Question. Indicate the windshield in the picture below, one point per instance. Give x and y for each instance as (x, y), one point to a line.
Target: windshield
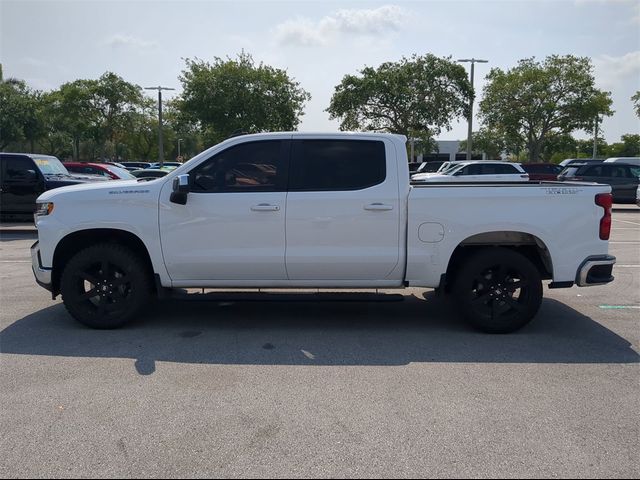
(451, 169)
(121, 172)
(570, 171)
(50, 166)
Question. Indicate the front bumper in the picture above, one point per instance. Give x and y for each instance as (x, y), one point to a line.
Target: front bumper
(596, 270)
(42, 274)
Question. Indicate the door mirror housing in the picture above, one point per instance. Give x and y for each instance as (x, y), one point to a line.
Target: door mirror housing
(181, 188)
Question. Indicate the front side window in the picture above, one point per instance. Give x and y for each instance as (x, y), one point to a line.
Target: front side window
(248, 167)
(595, 171)
(474, 169)
(16, 168)
(325, 165)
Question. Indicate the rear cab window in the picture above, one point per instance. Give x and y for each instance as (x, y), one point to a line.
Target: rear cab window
(336, 165)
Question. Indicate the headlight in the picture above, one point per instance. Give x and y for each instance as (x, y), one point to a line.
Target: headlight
(43, 209)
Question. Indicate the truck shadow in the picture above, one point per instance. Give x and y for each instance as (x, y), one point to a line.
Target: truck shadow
(317, 333)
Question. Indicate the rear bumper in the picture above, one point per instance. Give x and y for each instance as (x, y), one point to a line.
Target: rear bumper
(42, 274)
(595, 270)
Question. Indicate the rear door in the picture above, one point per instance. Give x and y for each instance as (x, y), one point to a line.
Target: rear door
(343, 210)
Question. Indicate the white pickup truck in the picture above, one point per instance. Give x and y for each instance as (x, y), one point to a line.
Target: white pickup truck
(297, 210)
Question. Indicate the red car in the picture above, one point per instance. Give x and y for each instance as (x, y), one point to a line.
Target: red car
(542, 171)
(102, 169)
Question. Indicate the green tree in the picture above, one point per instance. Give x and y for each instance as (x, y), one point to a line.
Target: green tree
(417, 97)
(71, 114)
(486, 141)
(629, 146)
(116, 101)
(237, 95)
(537, 100)
(636, 103)
(17, 111)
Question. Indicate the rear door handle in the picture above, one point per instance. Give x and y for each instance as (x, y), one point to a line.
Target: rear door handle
(378, 207)
(265, 207)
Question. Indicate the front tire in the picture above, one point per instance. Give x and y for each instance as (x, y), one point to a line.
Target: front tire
(104, 286)
(498, 290)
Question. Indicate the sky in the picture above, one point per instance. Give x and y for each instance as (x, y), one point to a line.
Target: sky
(48, 43)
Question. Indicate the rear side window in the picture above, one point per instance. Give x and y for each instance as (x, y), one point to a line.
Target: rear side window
(620, 172)
(320, 165)
(247, 167)
(496, 169)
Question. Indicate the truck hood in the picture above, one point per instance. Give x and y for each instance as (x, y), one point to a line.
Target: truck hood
(115, 186)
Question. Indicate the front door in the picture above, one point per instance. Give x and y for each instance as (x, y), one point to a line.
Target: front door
(232, 227)
(20, 185)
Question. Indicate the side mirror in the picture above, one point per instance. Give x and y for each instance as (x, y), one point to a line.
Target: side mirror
(31, 175)
(181, 189)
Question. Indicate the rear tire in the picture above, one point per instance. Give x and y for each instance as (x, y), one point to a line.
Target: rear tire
(104, 286)
(498, 290)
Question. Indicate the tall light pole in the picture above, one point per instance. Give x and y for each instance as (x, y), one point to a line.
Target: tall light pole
(179, 140)
(595, 138)
(160, 147)
(473, 62)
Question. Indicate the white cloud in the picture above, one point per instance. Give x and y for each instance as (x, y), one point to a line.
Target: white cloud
(305, 32)
(121, 40)
(611, 71)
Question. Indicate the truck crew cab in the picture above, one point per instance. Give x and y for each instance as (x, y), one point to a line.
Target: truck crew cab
(297, 210)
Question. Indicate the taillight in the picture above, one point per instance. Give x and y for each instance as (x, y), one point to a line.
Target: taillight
(605, 200)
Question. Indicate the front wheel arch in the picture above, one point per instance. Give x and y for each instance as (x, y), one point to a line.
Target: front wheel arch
(72, 243)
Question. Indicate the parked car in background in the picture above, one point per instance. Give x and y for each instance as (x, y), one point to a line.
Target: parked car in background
(105, 170)
(413, 166)
(149, 173)
(623, 178)
(568, 161)
(135, 165)
(627, 160)
(542, 171)
(115, 164)
(431, 167)
(477, 171)
(24, 176)
(165, 164)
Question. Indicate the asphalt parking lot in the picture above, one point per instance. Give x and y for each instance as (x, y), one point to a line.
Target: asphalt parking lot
(323, 389)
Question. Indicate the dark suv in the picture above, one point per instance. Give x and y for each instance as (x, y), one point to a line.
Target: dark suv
(24, 176)
(623, 178)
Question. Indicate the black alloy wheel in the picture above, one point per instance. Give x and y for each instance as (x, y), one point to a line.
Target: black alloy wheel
(105, 286)
(498, 290)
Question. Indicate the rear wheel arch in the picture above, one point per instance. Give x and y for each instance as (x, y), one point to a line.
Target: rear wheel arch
(528, 245)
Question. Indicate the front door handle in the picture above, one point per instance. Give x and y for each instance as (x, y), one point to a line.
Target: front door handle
(265, 207)
(378, 207)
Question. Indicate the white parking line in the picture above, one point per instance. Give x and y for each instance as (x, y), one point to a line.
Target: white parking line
(626, 221)
(626, 266)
